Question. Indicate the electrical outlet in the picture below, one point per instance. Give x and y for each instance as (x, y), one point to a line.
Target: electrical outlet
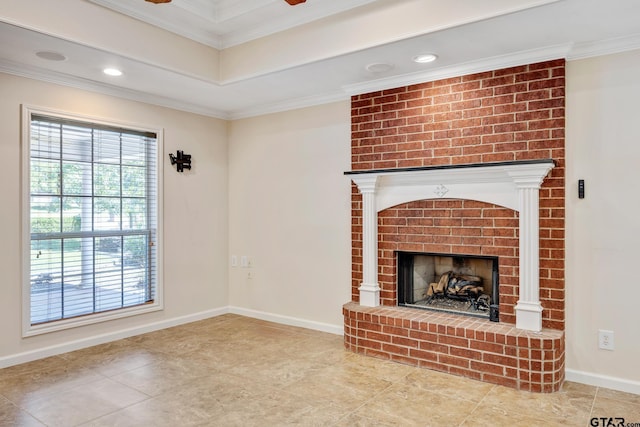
(605, 340)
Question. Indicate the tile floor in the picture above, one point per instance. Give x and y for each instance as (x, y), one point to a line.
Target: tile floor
(237, 371)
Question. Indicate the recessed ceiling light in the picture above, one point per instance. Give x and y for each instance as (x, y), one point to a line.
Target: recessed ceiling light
(112, 72)
(379, 67)
(50, 56)
(425, 58)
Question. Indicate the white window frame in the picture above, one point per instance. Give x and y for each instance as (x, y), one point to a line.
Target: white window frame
(158, 304)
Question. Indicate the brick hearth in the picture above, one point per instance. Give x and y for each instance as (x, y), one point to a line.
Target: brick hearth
(497, 353)
(500, 116)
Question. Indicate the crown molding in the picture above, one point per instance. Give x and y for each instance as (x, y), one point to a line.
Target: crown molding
(36, 73)
(226, 11)
(212, 40)
(291, 104)
(79, 83)
(604, 47)
(312, 12)
(479, 66)
(568, 51)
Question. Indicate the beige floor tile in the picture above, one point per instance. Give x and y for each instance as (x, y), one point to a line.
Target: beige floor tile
(382, 369)
(409, 405)
(491, 416)
(353, 420)
(35, 384)
(616, 408)
(344, 387)
(161, 413)
(113, 358)
(11, 415)
(198, 402)
(163, 375)
(618, 395)
(178, 343)
(280, 409)
(568, 406)
(83, 403)
(278, 373)
(30, 367)
(576, 389)
(449, 386)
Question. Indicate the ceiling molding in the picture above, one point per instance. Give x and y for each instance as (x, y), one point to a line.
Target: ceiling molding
(48, 76)
(225, 11)
(568, 51)
(604, 47)
(482, 65)
(212, 40)
(304, 15)
(292, 104)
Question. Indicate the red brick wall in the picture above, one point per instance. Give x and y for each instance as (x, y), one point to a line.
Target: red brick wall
(504, 115)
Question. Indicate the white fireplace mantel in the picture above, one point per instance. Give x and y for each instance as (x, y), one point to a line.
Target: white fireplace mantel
(514, 185)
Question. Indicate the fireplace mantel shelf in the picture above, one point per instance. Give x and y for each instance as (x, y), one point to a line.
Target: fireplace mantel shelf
(458, 166)
(514, 185)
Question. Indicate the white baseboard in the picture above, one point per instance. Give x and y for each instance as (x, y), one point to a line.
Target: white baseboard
(605, 381)
(41, 353)
(286, 320)
(29, 356)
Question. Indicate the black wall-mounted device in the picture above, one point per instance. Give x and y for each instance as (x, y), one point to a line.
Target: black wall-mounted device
(581, 189)
(181, 160)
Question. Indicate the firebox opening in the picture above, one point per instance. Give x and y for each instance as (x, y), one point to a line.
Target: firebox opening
(463, 284)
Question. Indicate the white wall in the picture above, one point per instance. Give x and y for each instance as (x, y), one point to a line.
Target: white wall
(289, 212)
(603, 229)
(195, 215)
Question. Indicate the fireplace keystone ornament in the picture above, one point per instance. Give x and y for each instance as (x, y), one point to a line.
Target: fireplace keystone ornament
(514, 185)
(441, 190)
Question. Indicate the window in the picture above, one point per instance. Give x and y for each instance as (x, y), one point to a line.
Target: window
(93, 221)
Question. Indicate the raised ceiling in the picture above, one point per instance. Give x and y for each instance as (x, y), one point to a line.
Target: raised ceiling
(225, 23)
(234, 59)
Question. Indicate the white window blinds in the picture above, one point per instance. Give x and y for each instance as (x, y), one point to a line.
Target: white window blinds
(93, 218)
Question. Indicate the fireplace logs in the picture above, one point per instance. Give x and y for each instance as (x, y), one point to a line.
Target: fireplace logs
(462, 287)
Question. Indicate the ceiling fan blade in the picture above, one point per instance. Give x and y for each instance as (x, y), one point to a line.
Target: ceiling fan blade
(159, 1)
(295, 2)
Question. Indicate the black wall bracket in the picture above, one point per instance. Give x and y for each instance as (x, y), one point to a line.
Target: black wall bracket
(181, 160)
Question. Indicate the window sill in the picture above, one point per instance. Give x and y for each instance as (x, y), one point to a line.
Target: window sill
(90, 319)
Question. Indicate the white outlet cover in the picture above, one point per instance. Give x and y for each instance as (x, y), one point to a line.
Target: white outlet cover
(605, 340)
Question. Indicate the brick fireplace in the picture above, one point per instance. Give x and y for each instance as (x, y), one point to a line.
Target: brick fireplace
(468, 165)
